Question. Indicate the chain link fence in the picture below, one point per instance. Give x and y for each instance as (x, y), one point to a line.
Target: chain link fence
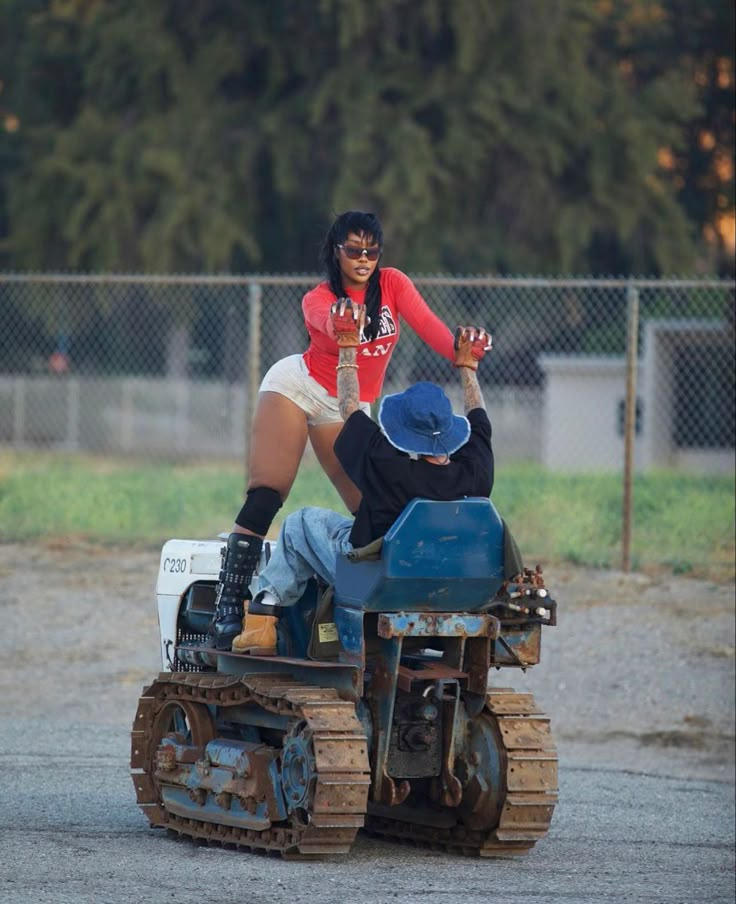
(169, 367)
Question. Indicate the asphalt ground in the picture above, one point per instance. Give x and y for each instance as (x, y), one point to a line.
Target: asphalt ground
(638, 678)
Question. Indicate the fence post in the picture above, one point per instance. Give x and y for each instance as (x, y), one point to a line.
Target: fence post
(255, 292)
(126, 425)
(19, 411)
(73, 413)
(632, 354)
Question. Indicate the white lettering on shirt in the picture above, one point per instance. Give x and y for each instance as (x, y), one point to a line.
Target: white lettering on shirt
(386, 323)
(376, 351)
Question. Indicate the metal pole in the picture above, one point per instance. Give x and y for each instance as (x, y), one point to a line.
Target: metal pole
(19, 412)
(255, 293)
(73, 413)
(632, 352)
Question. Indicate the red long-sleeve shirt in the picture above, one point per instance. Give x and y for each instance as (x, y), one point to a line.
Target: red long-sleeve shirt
(400, 300)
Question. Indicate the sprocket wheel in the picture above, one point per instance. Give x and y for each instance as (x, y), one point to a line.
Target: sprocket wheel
(298, 770)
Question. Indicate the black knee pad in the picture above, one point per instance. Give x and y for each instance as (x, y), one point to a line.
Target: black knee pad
(259, 510)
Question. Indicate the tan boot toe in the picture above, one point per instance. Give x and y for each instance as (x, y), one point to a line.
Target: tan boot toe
(258, 636)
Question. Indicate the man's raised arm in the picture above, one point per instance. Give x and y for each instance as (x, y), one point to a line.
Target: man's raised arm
(471, 343)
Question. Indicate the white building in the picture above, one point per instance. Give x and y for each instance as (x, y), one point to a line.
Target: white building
(680, 381)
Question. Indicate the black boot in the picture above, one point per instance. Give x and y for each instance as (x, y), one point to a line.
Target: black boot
(239, 561)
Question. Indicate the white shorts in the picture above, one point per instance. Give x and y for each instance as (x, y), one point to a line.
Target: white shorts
(290, 378)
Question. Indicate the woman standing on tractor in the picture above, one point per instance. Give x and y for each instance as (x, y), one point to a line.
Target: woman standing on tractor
(298, 395)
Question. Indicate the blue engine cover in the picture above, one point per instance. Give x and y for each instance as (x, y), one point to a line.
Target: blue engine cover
(437, 556)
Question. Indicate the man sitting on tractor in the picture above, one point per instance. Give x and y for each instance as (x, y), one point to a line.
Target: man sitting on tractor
(418, 449)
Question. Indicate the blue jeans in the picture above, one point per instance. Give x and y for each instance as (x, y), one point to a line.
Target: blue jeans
(309, 543)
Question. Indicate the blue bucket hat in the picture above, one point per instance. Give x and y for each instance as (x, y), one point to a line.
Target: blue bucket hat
(420, 421)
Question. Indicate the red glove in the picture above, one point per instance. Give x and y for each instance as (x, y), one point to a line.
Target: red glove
(348, 319)
(471, 343)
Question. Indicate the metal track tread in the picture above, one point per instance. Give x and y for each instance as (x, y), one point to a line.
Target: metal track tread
(529, 763)
(340, 792)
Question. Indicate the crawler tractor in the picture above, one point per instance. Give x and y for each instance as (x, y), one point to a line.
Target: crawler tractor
(377, 712)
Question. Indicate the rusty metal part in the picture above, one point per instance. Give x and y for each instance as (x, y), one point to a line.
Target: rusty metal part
(437, 624)
(490, 822)
(392, 791)
(518, 645)
(525, 598)
(328, 793)
(527, 587)
(452, 790)
(428, 671)
(534, 578)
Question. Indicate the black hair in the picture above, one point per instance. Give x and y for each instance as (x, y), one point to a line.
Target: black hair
(360, 223)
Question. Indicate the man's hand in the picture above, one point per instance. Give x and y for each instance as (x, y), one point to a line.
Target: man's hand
(347, 319)
(471, 343)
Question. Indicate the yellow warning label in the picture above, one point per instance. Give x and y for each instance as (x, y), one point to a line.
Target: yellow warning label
(327, 632)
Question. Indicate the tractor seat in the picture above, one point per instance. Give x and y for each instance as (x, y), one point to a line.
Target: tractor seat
(437, 556)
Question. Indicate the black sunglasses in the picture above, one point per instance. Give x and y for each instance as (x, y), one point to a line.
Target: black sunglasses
(353, 253)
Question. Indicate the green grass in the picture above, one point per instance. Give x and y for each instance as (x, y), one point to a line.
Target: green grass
(682, 523)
